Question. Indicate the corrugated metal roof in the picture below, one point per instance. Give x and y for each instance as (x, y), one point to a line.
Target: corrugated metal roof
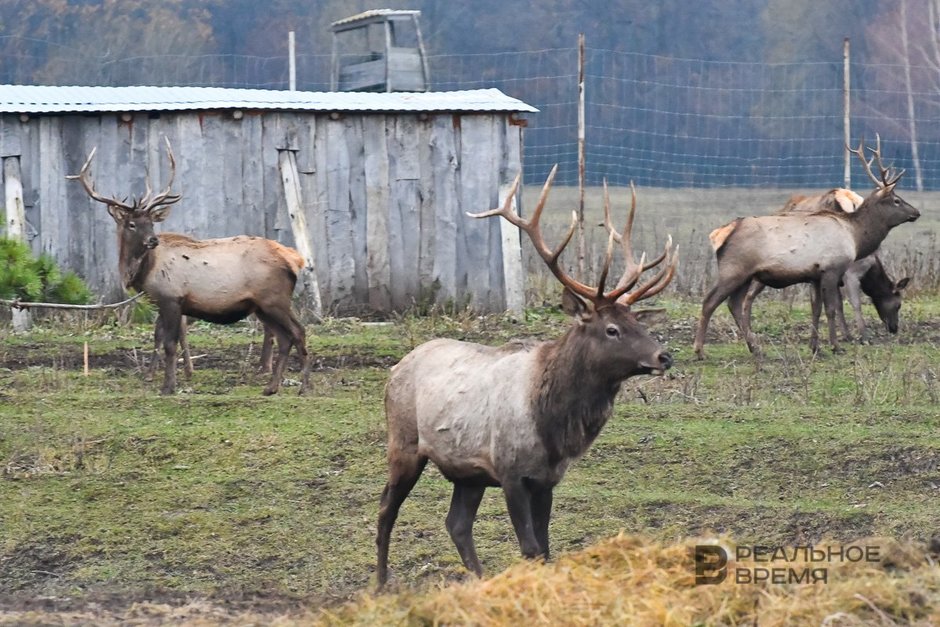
(365, 15)
(78, 99)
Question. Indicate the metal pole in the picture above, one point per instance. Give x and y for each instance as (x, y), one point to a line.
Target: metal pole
(846, 116)
(581, 135)
(292, 61)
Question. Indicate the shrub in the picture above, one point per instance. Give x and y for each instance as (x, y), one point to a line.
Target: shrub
(28, 278)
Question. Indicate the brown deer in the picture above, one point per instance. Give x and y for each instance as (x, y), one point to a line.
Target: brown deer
(516, 416)
(218, 280)
(817, 248)
(866, 275)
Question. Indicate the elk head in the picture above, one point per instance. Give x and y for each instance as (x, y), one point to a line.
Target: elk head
(894, 209)
(889, 305)
(135, 219)
(609, 335)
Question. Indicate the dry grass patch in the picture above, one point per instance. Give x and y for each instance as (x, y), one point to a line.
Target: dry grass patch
(628, 580)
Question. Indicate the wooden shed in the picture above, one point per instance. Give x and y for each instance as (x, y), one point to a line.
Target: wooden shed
(375, 184)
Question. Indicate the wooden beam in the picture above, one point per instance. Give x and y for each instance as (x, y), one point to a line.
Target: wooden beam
(15, 223)
(309, 287)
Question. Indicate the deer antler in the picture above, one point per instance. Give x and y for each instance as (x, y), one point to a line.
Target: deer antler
(595, 294)
(147, 203)
(887, 179)
(82, 177)
(633, 270)
(533, 230)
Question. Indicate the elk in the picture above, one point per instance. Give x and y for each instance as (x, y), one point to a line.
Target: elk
(218, 280)
(816, 248)
(517, 415)
(866, 275)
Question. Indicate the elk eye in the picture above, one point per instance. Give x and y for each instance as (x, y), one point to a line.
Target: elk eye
(613, 331)
(132, 226)
(897, 202)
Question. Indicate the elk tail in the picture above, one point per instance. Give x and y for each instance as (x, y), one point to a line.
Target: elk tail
(289, 255)
(719, 236)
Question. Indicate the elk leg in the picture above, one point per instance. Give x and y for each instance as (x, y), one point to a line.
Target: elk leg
(519, 503)
(267, 351)
(740, 311)
(715, 297)
(853, 292)
(289, 333)
(541, 514)
(815, 301)
(157, 342)
(403, 472)
(755, 289)
(172, 320)
(463, 511)
(833, 300)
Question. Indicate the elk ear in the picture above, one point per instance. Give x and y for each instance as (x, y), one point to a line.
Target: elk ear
(649, 317)
(575, 306)
(117, 213)
(160, 213)
(900, 285)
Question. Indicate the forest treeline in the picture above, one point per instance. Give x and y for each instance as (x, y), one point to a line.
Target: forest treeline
(746, 83)
(42, 40)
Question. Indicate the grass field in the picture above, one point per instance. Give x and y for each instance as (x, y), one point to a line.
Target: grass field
(217, 504)
(114, 495)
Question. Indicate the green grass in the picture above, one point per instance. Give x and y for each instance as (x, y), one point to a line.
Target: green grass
(109, 489)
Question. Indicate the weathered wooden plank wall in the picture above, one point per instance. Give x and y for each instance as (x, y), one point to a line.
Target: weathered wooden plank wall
(384, 194)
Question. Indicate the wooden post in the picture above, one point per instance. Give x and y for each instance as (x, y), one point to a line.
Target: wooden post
(388, 54)
(309, 286)
(846, 118)
(291, 61)
(513, 275)
(424, 56)
(15, 224)
(581, 137)
(334, 66)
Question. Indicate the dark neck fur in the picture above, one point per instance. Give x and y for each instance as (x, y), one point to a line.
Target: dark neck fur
(571, 404)
(133, 265)
(876, 283)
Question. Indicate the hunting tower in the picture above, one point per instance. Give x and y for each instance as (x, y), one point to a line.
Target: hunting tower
(379, 50)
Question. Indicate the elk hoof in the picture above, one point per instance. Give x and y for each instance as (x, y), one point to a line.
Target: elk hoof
(167, 391)
(268, 391)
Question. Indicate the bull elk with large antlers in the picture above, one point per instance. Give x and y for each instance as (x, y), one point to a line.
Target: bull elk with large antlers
(817, 248)
(516, 416)
(866, 275)
(218, 280)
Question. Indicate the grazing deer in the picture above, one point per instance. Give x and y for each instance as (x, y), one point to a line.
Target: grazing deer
(516, 416)
(866, 275)
(219, 280)
(817, 248)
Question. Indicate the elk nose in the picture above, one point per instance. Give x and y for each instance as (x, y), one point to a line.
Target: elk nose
(152, 241)
(665, 361)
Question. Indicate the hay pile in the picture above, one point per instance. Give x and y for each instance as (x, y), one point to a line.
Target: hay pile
(630, 581)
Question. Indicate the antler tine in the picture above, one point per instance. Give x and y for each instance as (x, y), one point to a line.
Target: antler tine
(866, 163)
(82, 177)
(888, 178)
(633, 270)
(655, 284)
(533, 230)
(164, 197)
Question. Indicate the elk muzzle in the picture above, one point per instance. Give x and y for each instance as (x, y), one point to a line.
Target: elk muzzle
(661, 362)
(151, 242)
